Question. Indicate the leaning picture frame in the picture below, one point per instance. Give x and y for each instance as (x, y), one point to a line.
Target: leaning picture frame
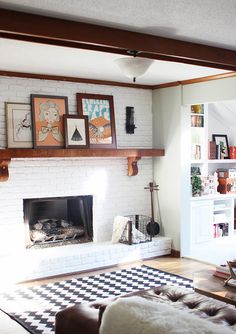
(47, 118)
(222, 142)
(19, 125)
(100, 112)
(76, 131)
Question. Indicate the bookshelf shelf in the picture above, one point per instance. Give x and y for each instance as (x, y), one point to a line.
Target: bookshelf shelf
(221, 161)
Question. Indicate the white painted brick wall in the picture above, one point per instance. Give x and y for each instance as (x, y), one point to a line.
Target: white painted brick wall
(19, 90)
(105, 178)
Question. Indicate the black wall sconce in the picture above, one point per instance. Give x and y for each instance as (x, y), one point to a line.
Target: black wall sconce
(129, 125)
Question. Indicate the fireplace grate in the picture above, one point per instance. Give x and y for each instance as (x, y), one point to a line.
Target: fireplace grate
(46, 230)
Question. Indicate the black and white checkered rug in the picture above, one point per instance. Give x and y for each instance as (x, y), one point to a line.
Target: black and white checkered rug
(35, 307)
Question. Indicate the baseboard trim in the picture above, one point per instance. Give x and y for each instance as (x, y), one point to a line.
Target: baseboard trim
(175, 253)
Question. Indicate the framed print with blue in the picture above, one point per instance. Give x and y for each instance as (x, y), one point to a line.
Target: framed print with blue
(100, 112)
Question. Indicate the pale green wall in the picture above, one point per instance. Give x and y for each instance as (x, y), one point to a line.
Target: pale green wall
(168, 133)
(210, 91)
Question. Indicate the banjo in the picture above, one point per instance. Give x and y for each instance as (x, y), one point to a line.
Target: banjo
(153, 228)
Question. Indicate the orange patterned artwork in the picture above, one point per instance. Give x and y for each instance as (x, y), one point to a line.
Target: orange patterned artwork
(47, 116)
(100, 112)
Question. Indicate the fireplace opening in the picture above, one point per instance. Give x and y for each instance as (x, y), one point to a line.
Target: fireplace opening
(58, 220)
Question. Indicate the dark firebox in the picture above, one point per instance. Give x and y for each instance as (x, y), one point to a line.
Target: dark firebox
(58, 220)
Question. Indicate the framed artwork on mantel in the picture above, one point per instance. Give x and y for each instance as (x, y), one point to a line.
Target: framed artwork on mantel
(47, 117)
(100, 112)
(19, 125)
(76, 131)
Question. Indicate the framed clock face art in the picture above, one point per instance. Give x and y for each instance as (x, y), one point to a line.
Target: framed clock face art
(100, 112)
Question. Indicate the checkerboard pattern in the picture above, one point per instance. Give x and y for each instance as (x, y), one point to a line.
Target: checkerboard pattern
(35, 307)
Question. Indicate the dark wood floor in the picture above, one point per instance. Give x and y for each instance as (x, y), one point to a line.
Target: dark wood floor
(179, 266)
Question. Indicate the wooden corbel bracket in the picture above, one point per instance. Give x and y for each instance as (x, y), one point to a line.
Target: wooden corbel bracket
(133, 165)
(4, 174)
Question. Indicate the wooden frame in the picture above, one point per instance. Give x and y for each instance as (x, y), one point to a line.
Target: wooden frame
(100, 112)
(222, 140)
(76, 131)
(47, 117)
(19, 125)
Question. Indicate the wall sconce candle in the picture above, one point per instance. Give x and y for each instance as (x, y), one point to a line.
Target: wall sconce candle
(130, 126)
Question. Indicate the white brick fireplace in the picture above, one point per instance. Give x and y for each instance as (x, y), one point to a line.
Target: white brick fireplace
(114, 193)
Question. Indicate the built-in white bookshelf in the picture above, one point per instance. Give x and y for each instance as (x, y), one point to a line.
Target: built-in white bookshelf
(212, 215)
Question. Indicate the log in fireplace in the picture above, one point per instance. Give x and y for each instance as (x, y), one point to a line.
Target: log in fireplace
(58, 220)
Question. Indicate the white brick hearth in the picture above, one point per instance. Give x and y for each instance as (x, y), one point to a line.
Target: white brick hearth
(38, 263)
(114, 193)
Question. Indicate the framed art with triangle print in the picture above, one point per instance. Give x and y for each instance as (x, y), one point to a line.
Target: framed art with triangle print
(76, 131)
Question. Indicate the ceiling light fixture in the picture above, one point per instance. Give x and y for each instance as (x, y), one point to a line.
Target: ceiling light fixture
(133, 67)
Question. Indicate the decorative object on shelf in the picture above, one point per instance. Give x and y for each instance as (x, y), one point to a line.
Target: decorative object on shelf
(222, 141)
(19, 125)
(196, 152)
(195, 170)
(227, 185)
(47, 116)
(196, 184)
(197, 109)
(226, 173)
(134, 66)
(129, 125)
(216, 183)
(227, 180)
(197, 121)
(153, 228)
(232, 152)
(231, 281)
(100, 112)
(76, 131)
(209, 184)
(211, 150)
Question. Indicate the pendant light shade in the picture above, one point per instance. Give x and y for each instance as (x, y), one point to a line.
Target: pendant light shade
(133, 67)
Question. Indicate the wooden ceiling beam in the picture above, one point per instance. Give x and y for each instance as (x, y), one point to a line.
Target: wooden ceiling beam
(49, 30)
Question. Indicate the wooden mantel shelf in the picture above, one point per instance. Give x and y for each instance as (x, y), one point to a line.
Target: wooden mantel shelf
(132, 154)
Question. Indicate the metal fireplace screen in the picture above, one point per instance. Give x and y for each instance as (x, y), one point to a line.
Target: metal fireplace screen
(135, 231)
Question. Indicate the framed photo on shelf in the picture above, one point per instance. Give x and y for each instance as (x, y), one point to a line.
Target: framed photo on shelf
(100, 112)
(197, 121)
(19, 125)
(47, 117)
(76, 131)
(223, 146)
(197, 109)
(196, 152)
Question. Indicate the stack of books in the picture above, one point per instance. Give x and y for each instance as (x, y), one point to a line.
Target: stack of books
(232, 282)
(222, 271)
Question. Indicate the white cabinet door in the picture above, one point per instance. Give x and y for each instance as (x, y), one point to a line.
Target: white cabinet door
(202, 221)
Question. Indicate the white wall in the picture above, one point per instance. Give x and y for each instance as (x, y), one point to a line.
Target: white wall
(105, 178)
(209, 91)
(167, 171)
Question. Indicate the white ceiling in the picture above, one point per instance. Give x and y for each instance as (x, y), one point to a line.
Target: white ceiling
(210, 22)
